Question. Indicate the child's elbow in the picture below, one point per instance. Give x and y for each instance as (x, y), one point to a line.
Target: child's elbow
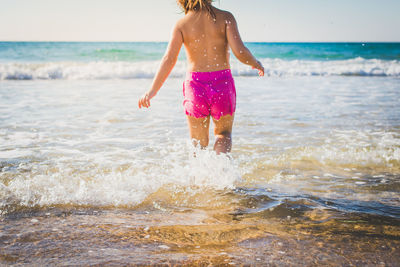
(240, 51)
(241, 55)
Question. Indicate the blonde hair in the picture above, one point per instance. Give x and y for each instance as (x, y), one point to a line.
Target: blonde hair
(188, 5)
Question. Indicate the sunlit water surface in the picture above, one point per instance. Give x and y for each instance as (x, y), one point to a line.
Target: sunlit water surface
(313, 178)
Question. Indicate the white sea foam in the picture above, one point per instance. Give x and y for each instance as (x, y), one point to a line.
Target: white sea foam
(82, 70)
(94, 180)
(133, 70)
(364, 149)
(127, 179)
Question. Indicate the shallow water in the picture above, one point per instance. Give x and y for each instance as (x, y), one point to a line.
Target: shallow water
(313, 178)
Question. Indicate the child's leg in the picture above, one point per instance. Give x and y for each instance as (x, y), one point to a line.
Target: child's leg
(199, 130)
(223, 134)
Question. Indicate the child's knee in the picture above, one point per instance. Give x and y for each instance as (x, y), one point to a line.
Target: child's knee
(226, 137)
(224, 134)
(203, 142)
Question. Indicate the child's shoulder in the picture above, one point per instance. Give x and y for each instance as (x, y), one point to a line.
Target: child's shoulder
(222, 15)
(225, 13)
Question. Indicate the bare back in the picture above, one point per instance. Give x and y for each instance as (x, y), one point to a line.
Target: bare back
(205, 40)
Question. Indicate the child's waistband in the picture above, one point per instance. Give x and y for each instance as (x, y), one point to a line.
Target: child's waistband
(212, 75)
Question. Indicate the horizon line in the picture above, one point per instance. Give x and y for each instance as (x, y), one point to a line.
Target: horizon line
(110, 41)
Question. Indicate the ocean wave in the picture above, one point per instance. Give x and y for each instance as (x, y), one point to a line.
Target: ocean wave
(82, 70)
(105, 183)
(98, 70)
(351, 67)
(186, 173)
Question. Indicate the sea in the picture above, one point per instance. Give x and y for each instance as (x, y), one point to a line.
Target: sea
(88, 178)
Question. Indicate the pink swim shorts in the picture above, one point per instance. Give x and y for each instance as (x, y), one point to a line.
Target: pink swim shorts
(209, 93)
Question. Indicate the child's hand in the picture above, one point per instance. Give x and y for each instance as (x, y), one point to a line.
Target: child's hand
(260, 68)
(144, 101)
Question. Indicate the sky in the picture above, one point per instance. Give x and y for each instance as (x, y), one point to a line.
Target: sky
(151, 20)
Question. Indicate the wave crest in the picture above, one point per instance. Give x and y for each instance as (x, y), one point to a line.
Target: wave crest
(134, 70)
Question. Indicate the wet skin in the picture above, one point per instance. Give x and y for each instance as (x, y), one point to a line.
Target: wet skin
(207, 41)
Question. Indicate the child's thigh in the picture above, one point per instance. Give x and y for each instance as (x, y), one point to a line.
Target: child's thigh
(224, 125)
(199, 127)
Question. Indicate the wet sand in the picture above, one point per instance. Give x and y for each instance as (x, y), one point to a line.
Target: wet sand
(197, 237)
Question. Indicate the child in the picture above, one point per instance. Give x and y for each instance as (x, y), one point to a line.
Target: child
(209, 89)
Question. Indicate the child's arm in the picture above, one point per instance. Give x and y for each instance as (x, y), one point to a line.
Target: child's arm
(238, 48)
(167, 64)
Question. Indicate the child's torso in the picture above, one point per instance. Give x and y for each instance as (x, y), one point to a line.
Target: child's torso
(205, 41)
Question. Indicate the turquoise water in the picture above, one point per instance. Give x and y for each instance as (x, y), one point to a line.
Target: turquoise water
(126, 51)
(79, 51)
(96, 60)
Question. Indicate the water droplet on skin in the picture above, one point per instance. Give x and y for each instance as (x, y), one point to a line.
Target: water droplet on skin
(205, 55)
(241, 52)
(208, 66)
(217, 65)
(203, 35)
(215, 48)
